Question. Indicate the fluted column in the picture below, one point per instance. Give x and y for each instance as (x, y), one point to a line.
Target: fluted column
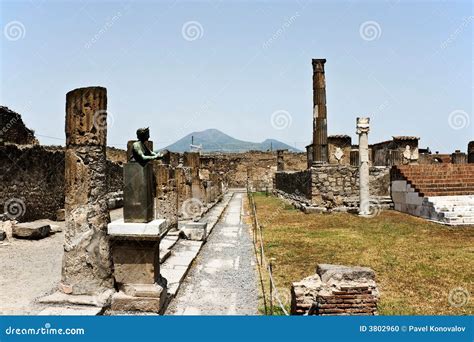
(320, 134)
(87, 267)
(364, 198)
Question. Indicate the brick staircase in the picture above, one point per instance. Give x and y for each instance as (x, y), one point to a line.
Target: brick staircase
(443, 192)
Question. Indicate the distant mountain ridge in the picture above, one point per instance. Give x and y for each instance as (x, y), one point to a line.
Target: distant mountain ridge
(213, 140)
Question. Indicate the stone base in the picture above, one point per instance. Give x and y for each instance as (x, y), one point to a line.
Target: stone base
(59, 298)
(71, 311)
(124, 302)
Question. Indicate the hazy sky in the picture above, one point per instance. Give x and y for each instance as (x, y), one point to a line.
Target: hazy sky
(244, 67)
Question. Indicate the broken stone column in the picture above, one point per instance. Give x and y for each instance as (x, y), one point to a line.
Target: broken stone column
(364, 197)
(470, 152)
(459, 157)
(320, 129)
(192, 160)
(87, 266)
(280, 160)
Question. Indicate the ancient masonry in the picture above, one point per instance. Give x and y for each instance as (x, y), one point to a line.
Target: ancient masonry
(336, 290)
(345, 177)
(87, 266)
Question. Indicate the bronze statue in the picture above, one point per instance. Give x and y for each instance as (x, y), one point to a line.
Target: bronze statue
(140, 152)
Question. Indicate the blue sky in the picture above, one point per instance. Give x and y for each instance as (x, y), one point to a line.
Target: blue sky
(186, 66)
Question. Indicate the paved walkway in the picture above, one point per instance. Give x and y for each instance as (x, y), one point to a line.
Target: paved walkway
(223, 279)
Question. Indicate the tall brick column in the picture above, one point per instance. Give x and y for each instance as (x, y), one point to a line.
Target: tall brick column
(320, 129)
(87, 267)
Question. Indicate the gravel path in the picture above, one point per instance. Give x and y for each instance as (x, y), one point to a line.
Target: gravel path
(223, 278)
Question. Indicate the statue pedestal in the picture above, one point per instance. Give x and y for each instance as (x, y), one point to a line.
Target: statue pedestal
(136, 258)
(138, 204)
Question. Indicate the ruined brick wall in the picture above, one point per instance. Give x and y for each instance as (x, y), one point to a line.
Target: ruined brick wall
(261, 167)
(35, 175)
(13, 130)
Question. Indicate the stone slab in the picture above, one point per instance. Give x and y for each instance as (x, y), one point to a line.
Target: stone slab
(31, 230)
(142, 290)
(329, 272)
(71, 311)
(151, 229)
(60, 298)
(124, 302)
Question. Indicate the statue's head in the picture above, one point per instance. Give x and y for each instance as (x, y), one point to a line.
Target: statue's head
(143, 134)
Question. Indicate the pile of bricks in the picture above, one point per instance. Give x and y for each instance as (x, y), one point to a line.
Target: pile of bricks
(336, 290)
(357, 300)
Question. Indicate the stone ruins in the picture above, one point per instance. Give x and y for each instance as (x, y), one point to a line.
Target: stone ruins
(135, 259)
(366, 178)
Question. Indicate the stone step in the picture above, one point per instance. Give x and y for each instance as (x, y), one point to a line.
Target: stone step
(175, 268)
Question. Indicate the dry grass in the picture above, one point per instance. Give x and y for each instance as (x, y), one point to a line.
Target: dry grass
(417, 263)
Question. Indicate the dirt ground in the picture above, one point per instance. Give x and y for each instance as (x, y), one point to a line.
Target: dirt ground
(30, 269)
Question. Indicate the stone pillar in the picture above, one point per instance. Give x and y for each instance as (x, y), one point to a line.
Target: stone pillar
(166, 194)
(192, 160)
(320, 130)
(470, 152)
(459, 157)
(280, 160)
(87, 266)
(364, 199)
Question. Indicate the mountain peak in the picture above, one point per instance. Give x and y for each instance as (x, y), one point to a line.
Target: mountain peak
(214, 140)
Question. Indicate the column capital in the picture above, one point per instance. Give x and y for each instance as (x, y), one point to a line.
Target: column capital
(363, 125)
(318, 64)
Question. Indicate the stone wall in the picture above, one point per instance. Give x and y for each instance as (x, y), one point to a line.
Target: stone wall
(260, 167)
(13, 130)
(332, 185)
(35, 175)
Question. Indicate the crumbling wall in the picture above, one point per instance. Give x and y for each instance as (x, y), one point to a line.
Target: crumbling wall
(13, 130)
(297, 183)
(35, 176)
(256, 166)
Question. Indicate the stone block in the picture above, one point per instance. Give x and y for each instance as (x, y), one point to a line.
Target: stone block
(71, 311)
(329, 272)
(123, 302)
(138, 199)
(398, 197)
(60, 298)
(31, 230)
(61, 215)
(136, 261)
(142, 290)
(149, 230)
(196, 231)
